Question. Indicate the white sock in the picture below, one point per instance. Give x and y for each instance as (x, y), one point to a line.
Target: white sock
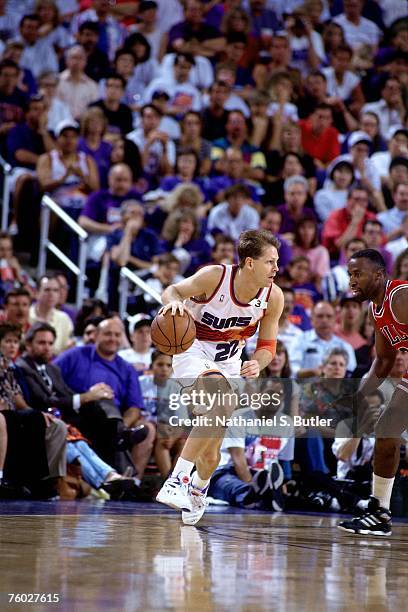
(1, 474)
(382, 489)
(183, 465)
(138, 482)
(198, 482)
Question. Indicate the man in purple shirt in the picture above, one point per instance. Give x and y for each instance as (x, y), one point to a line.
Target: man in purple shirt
(85, 366)
(193, 35)
(101, 213)
(296, 190)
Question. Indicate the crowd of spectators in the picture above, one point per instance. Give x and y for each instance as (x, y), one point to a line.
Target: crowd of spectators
(165, 128)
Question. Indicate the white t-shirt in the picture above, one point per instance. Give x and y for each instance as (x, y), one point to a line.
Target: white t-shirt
(221, 218)
(300, 51)
(343, 90)
(381, 162)
(131, 356)
(181, 94)
(365, 33)
(327, 200)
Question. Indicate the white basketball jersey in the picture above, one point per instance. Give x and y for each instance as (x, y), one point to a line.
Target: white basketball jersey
(222, 322)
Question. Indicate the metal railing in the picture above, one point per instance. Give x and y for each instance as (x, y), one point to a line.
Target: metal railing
(5, 196)
(47, 206)
(126, 277)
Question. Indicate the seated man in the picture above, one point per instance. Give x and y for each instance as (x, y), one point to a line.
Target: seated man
(118, 115)
(235, 213)
(85, 366)
(44, 387)
(36, 443)
(17, 308)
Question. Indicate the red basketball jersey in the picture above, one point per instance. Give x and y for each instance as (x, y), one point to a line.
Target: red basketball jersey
(385, 321)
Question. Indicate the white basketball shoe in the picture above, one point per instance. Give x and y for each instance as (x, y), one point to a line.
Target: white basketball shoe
(175, 493)
(198, 499)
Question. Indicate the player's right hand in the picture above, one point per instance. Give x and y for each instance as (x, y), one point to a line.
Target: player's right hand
(175, 307)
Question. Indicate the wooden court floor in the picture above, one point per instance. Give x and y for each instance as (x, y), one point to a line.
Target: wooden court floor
(129, 557)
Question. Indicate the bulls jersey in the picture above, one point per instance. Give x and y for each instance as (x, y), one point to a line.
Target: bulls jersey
(385, 321)
(222, 322)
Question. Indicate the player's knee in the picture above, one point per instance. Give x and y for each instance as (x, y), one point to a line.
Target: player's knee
(386, 447)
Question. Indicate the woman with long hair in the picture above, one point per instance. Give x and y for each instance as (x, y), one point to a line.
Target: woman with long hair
(400, 269)
(190, 138)
(50, 26)
(91, 142)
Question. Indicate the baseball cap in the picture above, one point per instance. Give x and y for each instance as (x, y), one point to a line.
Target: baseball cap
(66, 124)
(396, 129)
(359, 136)
(138, 321)
(348, 297)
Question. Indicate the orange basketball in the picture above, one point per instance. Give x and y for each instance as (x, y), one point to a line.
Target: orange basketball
(173, 335)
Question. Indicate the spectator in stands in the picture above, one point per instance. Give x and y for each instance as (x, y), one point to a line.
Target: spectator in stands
(118, 115)
(309, 352)
(92, 142)
(395, 247)
(295, 190)
(370, 124)
(186, 171)
(233, 171)
(91, 309)
(336, 282)
(237, 137)
(181, 236)
(300, 279)
(234, 213)
(56, 110)
(183, 96)
(346, 223)
(291, 166)
(62, 279)
(358, 30)
(165, 273)
(364, 170)
(85, 366)
(146, 68)
(45, 310)
(141, 350)
(373, 236)
(262, 17)
(271, 220)
(157, 149)
(214, 115)
(51, 29)
(12, 99)
(124, 65)
(111, 32)
(26, 82)
(390, 107)
(392, 219)
(190, 138)
(17, 308)
(10, 341)
(333, 37)
(305, 42)
(398, 173)
(66, 173)
(224, 250)
(75, 87)
(156, 389)
(193, 35)
(38, 54)
(12, 274)
(97, 62)
(132, 244)
(397, 147)
(342, 84)
(333, 195)
(124, 151)
(319, 138)
(101, 214)
(306, 243)
(148, 26)
(400, 270)
(348, 328)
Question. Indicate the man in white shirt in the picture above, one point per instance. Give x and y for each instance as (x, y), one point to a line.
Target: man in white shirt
(315, 344)
(390, 108)
(397, 147)
(392, 219)
(182, 95)
(38, 55)
(357, 29)
(235, 213)
(140, 354)
(397, 246)
(75, 87)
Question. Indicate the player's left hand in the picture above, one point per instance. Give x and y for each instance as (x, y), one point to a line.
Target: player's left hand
(250, 369)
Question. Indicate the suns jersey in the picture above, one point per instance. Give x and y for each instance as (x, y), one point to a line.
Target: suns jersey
(222, 322)
(385, 321)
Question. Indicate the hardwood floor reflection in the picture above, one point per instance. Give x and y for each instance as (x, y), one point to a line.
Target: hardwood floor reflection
(146, 560)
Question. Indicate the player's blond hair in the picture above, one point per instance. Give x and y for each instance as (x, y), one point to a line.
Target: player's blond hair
(253, 242)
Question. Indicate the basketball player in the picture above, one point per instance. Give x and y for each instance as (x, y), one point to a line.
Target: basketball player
(389, 312)
(227, 302)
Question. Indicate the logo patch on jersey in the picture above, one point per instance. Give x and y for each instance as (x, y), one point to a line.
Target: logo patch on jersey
(222, 297)
(213, 321)
(392, 335)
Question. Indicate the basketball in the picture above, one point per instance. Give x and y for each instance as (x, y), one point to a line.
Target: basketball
(173, 335)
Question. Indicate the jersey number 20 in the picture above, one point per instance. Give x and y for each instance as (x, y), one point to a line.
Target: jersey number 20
(226, 350)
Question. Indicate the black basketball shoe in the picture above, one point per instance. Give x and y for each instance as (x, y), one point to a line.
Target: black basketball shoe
(376, 521)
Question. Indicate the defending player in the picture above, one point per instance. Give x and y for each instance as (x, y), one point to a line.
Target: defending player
(389, 311)
(227, 303)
